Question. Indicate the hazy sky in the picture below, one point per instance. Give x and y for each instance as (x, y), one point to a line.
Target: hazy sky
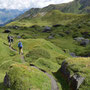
(23, 4)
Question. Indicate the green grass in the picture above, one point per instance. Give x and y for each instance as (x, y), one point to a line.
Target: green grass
(28, 78)
(81, 66)
(42, 53)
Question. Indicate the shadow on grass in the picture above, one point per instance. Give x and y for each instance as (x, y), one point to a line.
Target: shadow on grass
(61, 80)
(2, 87)
(5, 44)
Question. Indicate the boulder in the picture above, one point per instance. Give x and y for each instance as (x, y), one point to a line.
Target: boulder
(86, 34)
(50, 37)
(82, 41)
(7, 31)
(73, 80)
(7, 81)
(85, 42)
(78, 39)
(19, 37)
(76, 81)
(47, 29)
(73, 54)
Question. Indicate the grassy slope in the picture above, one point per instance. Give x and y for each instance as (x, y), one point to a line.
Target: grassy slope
(42, 53)
(7, 58)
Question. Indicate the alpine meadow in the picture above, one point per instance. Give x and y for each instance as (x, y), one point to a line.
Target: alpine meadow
(55, 52)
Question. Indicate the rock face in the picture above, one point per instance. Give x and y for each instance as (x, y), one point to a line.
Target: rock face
(74, 81)
(7, 81)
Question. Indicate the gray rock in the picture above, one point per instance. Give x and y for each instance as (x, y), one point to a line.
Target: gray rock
(73, 54)
(47, 29)
(50, 37)
(82, 41)
(76, 81)
(79, 39)
(7, 81)
(85, 42)
(19, 37)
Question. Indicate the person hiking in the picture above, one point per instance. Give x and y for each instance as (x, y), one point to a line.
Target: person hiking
(9, 40)
(12, 39)
(20, 47)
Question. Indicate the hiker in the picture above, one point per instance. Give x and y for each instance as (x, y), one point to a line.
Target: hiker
(9, 40)
(20, 47)
(12, 39)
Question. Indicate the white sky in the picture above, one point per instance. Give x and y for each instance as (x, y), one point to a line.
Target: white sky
(25, 4)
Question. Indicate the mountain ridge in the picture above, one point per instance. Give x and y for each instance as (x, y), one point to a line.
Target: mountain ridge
(76, 6)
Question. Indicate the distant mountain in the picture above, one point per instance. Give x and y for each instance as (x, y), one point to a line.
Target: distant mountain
(8, 14)
(76, 6)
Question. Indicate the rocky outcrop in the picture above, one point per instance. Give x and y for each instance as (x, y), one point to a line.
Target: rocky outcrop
(73, 80)
(76, 81)
(7, 81)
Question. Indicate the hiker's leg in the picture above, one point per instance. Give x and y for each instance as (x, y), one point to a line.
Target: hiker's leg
(9, 44)
(19, 50)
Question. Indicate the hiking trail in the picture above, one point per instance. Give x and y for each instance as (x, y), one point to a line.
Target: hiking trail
(54, 85)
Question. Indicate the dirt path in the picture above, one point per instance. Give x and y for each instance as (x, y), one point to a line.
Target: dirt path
(54, 85)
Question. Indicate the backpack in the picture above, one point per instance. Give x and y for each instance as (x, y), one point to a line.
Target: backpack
(19, 44)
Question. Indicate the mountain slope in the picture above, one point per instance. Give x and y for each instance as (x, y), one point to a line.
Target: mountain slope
(76, 6)
(49, 18)
(7, 15)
